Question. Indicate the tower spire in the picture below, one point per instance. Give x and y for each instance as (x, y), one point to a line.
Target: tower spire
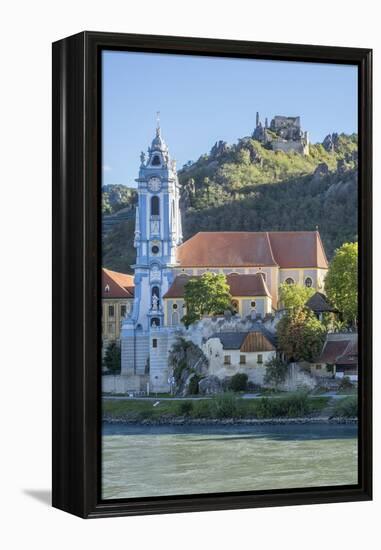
(157, 121)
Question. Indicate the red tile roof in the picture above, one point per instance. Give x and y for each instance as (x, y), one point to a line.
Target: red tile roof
(340, 352)
(219, 249)
(117, 285)
(240, 285)
(298, 249)
(350, 356)
(249, 249)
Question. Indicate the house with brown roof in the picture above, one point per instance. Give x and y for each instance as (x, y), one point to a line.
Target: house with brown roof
(240, 352)
(340, 353)
(117, 300)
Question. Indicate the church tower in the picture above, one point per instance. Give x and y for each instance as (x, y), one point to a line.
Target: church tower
(157, 231)
(157, 234)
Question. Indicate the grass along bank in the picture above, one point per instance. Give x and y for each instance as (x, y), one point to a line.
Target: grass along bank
(226, 406)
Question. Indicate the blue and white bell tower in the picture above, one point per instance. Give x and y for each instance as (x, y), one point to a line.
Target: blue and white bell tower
(157, 234)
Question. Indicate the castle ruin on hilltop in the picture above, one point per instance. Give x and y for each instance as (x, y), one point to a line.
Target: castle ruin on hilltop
(283, 134)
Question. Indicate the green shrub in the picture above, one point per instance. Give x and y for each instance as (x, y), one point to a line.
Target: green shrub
(146, 415)
(345, 384)
(291, 406)
(193, 384)
(178, 370)
(112, 358)
(347, 407)
(184, 408)
(276, 372)
(225, 406)
(238, 382)
(265, 408)
(202, 408)
(296, 405)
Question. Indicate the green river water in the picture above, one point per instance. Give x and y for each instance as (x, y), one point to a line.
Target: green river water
(141, 461)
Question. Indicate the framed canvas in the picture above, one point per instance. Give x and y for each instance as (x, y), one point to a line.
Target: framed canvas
(212, 327)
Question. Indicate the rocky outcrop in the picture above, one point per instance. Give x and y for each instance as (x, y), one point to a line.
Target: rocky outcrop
(186, 359)
(341, 166)
(321, 171)
(330, 142)
(219, 149)
(210, 385)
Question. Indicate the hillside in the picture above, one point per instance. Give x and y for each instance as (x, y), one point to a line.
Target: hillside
(247, 187)
(117, 197)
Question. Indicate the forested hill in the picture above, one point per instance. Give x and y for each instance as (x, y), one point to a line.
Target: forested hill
(247, 187)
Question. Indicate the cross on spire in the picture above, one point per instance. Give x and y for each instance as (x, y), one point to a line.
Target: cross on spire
(158, 120)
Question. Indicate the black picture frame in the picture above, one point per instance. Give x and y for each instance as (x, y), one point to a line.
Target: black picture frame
(76, 273)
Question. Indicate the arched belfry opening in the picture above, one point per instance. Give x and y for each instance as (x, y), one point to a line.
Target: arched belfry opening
(155, 206)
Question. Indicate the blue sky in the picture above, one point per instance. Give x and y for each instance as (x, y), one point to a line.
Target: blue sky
(205, 99)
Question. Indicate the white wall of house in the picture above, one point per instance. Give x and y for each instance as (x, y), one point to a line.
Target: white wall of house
(254, 365)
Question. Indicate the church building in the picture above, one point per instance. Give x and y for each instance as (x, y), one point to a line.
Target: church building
(255, 265)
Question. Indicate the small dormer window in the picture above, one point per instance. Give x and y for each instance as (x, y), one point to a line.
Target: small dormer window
(107, 288)
(156, 160)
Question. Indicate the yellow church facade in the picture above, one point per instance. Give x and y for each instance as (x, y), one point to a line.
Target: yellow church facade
(255, 265)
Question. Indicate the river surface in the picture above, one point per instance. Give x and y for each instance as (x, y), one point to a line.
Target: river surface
(141, 461)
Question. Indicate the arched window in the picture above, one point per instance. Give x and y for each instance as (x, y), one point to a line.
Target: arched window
(155, 298)
(155, 322)
(308, 282)
(156, 161)
(155, 206)
(289, 281)
(155, 291)
(175, 318)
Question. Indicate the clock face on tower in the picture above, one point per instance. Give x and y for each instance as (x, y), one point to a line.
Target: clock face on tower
(154, 184)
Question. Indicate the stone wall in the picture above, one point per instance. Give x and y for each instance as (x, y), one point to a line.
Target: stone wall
(290, 145)
(124, 384)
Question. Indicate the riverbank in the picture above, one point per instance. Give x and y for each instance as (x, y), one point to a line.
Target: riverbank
(231, 409)
(186, 421)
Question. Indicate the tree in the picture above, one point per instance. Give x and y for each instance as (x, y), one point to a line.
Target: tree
(276, 371)
(238, 382)
(206, 295)
(301, 335)
(341, 282)
(112, 358)
(294, 295)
